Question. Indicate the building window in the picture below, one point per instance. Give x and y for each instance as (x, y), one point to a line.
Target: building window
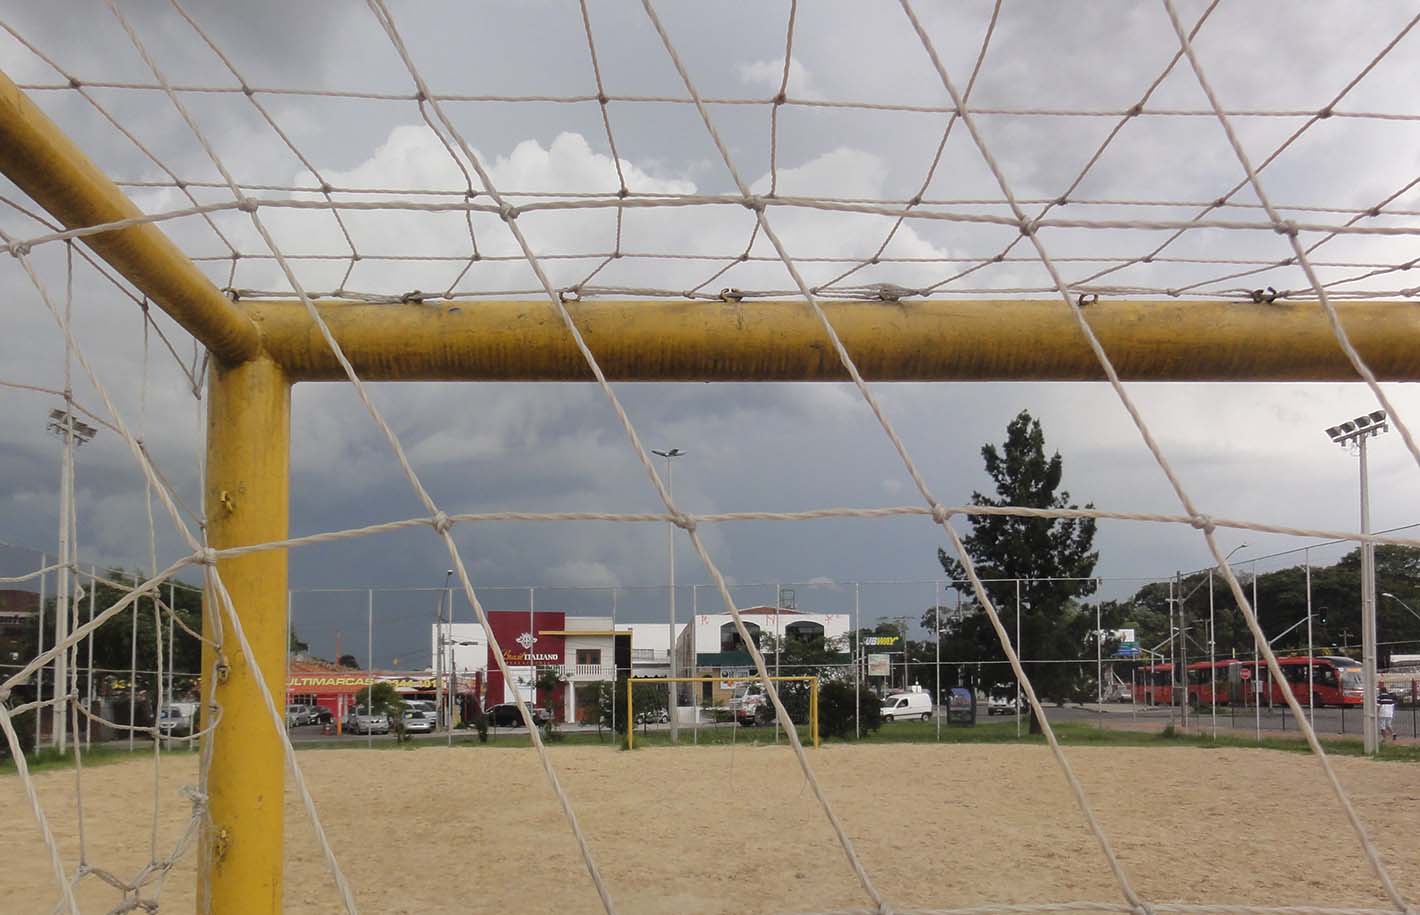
(591, 656)
(730, 637)
(803, 631)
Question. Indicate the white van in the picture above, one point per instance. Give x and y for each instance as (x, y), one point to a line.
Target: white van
(913, 704)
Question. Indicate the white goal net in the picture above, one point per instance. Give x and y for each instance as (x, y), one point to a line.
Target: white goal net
(448, 157)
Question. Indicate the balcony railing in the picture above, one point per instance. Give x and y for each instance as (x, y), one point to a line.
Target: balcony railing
(649, 654)
(589, 671)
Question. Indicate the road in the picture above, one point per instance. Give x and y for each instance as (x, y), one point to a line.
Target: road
(1328, 722)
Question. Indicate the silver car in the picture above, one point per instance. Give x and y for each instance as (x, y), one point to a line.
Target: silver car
(417, 722)
(360, 721)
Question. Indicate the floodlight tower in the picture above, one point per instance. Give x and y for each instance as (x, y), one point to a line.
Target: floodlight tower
(74, 433)
(1356, 432)
(671, 698)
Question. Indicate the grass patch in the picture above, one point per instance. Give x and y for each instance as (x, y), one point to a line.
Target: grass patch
(48, 758)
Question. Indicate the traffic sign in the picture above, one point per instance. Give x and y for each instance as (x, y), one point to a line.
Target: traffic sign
(1245, 673)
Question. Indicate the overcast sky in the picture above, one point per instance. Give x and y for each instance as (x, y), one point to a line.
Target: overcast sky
(1242, 450)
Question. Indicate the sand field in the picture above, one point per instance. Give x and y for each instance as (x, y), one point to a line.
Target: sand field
(732, 830)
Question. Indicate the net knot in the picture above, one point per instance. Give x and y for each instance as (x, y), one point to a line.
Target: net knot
(1027, 227)
(206, 556)
(246, 205)
(754, 203)
(940, 514)
(683, 521)
(1264, 296)
(1087, 298)
(18, 248)
(1287, 227)
(507, 212)
(74, 83)
(1203, 523)
(442, 523)
(570, 294)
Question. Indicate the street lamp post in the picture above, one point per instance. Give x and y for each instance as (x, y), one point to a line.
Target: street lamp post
(441, 638)
(1402, 603)
(671, 704)
(1356, 432)
(74, 433)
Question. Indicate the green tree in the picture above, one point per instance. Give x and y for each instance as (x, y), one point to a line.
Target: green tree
(545, 688)
(349, 660)
(383, 699)
(1054, 559)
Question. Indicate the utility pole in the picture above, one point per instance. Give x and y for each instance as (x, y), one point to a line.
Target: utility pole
(1356, 432)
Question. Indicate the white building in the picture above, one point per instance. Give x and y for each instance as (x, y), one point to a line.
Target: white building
(465, 645)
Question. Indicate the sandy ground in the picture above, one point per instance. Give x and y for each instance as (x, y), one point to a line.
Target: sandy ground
(735, 830)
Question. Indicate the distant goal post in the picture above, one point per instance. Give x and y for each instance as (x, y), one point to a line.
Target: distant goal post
(632, 682)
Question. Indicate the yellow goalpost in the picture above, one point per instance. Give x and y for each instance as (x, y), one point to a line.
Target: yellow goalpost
(631, 682)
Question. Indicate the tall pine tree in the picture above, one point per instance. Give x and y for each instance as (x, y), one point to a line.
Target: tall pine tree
(1052, 558)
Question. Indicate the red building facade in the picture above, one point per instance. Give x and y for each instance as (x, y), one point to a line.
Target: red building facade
(527, 645)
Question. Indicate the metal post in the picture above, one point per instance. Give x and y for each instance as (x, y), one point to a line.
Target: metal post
(369, 665)
(615, 698)
(61, 595)
(89, 688)
(778, 645)
(1018, 655)
(672, 687)
(247, 497)
(440, 717)
(1187, 694)
(39, 674)
(133, 666)
(1099, 667)
(937, 619)
(1369, 734)
(1173, 652)
(857, 659)
(172, 612)
(1311, 672)
(694, 670)
(1258, 681)
(1212, 658)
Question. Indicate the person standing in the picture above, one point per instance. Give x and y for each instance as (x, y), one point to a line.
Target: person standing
(1385, 710)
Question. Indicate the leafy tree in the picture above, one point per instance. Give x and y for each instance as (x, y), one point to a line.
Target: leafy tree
(1052, 557)
(836, 701)
(349, 660)
(1281, 601)
(545, 686)
(383, 699)
(297, 646)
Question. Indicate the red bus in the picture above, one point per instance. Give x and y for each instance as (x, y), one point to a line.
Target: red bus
(1335, 681)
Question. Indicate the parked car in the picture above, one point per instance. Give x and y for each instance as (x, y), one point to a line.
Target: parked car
(1001, 705)
(417, 722)
(914, 704)
(298, 715)
(506, 716)
(361, 721)
(174, 721)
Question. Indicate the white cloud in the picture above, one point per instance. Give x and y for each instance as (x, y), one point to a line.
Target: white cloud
(770, 74)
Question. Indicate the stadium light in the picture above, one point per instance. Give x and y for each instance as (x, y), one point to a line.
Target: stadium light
(671, 698)
(1356, 432)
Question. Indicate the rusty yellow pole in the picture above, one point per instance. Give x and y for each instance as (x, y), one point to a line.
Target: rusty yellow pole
(248, 460)
(917, 340)
(47, 165)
